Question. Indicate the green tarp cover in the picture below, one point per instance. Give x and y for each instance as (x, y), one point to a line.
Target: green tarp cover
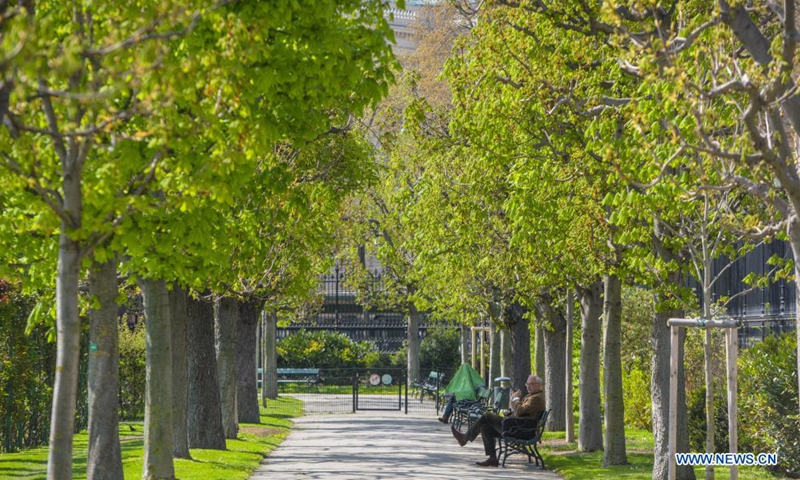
(464, 383)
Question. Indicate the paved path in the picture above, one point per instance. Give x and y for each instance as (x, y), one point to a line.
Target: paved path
(381, 445)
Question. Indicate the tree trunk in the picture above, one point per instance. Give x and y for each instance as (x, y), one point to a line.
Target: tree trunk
(505, 354)
(264, 362)
(570, 414)
(539, 351)
(225, 319)
(271, 355)
(413, 344)
(246, 368)
(158, 392)
(590, 423)
(708, 365)
(180, 373)
(205, 411)
(555, 344)
(519, 325)
(614, 406)
(105, 458)
(494, 353)
(68, 328)
(659, 388)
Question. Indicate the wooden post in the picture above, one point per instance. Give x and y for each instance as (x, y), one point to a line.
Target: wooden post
(483, 354)
(472, 348)
(732, 354)
(672, 438)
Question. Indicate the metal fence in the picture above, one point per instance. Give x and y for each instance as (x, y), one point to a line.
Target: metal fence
(753, 331)
(341, 391)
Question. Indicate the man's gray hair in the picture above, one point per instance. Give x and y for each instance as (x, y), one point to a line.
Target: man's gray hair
(536, 379)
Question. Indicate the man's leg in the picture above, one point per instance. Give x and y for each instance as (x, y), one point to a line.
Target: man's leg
(448, 409)
(491, 428)
(471, 434)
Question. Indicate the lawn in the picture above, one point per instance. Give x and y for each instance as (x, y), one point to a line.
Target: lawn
(564, 459)
(237, 462)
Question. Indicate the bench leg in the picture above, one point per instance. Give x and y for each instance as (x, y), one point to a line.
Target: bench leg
(538, 455)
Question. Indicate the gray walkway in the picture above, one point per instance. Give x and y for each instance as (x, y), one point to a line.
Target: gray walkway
(383, 445)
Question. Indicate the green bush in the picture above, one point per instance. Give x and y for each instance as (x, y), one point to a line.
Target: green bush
(439, 350)
(696, 416)
(327, 350)
(132, 360)
(637, 349)
(636, 390)
(768, 411)
(27, 373)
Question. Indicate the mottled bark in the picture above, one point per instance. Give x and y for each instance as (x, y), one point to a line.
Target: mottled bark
(205, 411)
(158, 463)
(271, 355)
(226, 316)
(539, 351)
(569, 411)
(519, 325)
(659, 389)
(614, 406)
(555, 344)
(104, 458)
(494, 352)
(68, 328)
(180, 373)
(590, 423)
(413, 344)
(246, 373)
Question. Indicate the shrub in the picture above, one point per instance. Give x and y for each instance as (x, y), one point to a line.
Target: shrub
(636, 390)
(325, 349)
(132, 360)
(768, 411)
(637, 348)
(27, 373)
(696, 417)
(439, 350)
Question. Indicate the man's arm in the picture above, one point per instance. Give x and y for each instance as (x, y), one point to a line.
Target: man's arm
(530, 405)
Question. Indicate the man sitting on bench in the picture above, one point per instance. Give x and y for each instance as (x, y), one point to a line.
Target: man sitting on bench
(490, 425)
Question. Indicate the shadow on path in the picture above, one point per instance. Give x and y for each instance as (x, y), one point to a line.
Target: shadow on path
(383, 445)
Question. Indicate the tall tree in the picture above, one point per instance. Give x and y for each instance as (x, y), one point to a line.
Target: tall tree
(105, 455)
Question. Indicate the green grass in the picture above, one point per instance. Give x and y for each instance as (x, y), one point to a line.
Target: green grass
(237, 462)
(564, 458)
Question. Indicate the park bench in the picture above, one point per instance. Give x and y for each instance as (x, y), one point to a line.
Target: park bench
(309, 376)
(466, 412)
(521, 435)
(431, 385)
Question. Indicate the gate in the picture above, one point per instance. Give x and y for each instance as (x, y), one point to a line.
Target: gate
(380, 389)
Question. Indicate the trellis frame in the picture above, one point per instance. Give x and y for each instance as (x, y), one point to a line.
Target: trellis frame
(478, 334)
(731, 357)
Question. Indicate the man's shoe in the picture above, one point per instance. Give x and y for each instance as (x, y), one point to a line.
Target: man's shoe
(489, 462)
(442, 419)
(461, 438)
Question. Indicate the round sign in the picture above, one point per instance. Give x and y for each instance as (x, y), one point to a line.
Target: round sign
(386, 379)
(374, 379)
